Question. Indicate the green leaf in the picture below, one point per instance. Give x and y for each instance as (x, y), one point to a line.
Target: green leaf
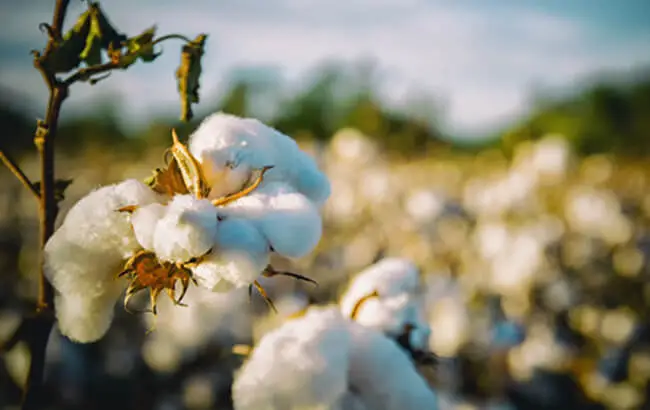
(140, 46)
(60, 185)
(188, 75)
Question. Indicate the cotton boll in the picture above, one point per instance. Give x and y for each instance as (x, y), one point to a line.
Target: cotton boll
(310, 181)
(290, 222)
(95, 222)
(144, 221)
(385, 315)
(239, 256)
(88, 250)
(389, 277)
(84, 318)
(302, 364)
(187, 230)
(400, 388)
(230, 147)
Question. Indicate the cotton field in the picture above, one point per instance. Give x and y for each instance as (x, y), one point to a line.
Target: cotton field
(458, 281)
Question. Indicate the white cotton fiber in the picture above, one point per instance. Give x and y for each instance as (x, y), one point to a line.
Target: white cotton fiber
(83, 318)
(144, 221)
(383, 376)
(301, 365)
(397, 306)
(289, 221)
(86, 252)
(238, 258)
(84, 256)
(385, 315)
(389, 277)
(230, 147)
(187, 230)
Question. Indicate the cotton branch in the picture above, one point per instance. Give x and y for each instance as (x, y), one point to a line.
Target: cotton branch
(85, 58)
(15, 169)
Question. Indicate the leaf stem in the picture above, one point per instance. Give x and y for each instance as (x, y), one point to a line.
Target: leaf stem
(84, 74)
(171, 37)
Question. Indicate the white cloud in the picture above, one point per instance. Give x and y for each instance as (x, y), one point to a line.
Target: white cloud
(481, 61)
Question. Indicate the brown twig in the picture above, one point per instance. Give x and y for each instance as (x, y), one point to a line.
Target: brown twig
(42, 322)
(15, 169)
(84, 74)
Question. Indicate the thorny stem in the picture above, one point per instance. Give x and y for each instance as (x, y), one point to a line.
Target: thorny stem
(15, 169)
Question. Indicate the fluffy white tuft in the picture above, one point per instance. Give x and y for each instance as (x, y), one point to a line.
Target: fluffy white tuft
(230, 147)
(86, 319)
(144, 221)
(187, 230)
(288, 219)
(397, 308)
(83, 256)
(239, 256)
(301, 365)
(324, 361)
(383, 376)
(389, 277)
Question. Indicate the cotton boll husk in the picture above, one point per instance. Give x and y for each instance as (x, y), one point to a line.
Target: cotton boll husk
(239, 256)
(84, 318)
(289, 220)
(383, 376)
(144, 221)
(301, 365)
(187, 230)
(88, 249)
(389, 277)
(230, 147)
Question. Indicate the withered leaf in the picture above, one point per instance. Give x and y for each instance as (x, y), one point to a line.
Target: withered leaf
(60, 185)
(140, 46)
(66, 54)
(188, 75)
(101, 36)
(168, 181)
(110, 37)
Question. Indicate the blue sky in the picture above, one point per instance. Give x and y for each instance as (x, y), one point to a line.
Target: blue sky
(481, 59)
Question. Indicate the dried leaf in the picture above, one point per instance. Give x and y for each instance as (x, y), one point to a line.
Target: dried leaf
(110, 37)
(140, 46)
(101, 36)
(60, 185)
(65, 55)
(188, 75)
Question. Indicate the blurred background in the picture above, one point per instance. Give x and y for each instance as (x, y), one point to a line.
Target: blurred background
(502, 146)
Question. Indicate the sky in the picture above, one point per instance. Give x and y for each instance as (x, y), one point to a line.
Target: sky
(480, 59)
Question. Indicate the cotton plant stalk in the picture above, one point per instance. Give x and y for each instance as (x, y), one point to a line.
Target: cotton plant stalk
(211, 217)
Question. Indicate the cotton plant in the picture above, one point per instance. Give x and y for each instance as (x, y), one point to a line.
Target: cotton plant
(238, 191)
(385, 297)
(324, 360)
